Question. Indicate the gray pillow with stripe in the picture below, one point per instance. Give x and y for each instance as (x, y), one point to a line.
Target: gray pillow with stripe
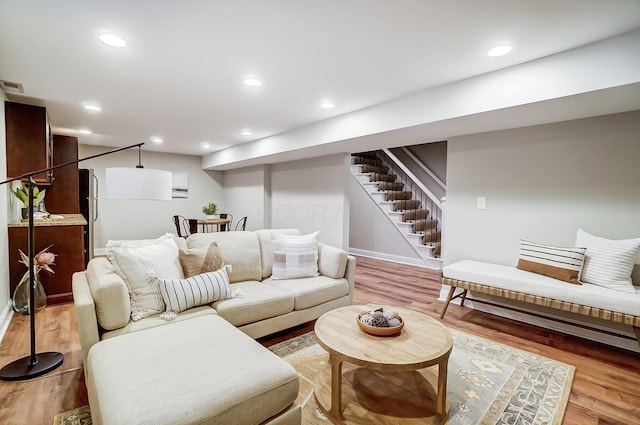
(557, 262)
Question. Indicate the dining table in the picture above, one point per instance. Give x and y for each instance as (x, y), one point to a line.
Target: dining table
(206, 224)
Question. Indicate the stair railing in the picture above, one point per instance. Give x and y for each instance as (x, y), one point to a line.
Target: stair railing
(420, 192)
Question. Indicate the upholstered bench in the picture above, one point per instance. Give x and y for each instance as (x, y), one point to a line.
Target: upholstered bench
(199, 371)
(511, 283)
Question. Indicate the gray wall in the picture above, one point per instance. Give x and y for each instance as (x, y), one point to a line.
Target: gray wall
(541, 184)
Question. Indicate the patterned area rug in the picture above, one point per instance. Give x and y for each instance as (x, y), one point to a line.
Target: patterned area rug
(488, 384)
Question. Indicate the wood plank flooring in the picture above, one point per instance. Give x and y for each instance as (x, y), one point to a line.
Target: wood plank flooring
(606, 387)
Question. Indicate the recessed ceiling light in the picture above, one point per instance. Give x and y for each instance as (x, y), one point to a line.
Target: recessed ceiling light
(92, 107)
(253, 82)
(205, 145)
(247, 132)
(84, 131)
(501, 50)
(112, 40)
(156, 139)
(327, 104)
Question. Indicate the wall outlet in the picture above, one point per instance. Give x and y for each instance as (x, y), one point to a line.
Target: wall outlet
(481, 203)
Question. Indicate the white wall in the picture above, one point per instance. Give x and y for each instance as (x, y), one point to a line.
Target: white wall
(246, 193)
(121, 219)
(5, 296)
(372, 233)
(542, 183)
(313, 194)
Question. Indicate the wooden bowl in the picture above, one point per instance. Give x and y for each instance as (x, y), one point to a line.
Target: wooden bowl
(374, 330)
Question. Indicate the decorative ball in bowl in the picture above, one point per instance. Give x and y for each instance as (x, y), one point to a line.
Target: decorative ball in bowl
(380, 322)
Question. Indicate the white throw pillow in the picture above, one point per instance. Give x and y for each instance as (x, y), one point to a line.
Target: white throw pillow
(139, 265)
(183, 294)
(608, 263)
(294, 256)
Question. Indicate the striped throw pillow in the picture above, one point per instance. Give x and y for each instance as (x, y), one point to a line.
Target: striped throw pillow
(559, 263)
(294, 256)
(183, 294)
(609, 262)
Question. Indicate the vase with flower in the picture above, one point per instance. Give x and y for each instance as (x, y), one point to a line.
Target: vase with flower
(42, 261)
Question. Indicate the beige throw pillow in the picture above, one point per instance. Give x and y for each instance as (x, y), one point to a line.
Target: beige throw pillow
(200, 260)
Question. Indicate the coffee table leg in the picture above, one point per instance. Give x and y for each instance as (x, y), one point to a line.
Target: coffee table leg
(336, 387)
(441, 402)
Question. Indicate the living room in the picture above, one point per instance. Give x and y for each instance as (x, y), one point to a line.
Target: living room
(551, 144)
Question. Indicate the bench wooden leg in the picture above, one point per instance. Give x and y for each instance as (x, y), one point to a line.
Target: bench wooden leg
(636, 329)
(448, 300)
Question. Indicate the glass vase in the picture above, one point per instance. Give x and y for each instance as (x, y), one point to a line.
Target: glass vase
(21, 295)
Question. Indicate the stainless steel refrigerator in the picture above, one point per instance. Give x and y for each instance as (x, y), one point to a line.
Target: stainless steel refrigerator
(88, 195)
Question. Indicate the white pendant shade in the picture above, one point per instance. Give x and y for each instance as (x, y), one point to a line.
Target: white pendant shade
(138, 183)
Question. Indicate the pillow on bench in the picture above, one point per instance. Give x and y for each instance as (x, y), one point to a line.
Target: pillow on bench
(609, 263)
(559, 263)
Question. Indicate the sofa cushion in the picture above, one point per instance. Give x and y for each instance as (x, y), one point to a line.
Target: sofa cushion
(258, 302)
(138, 265)
(241, 250)
(136, 379)
(294, 256)
(200, 260)
(154, 321)
(332, 261)
(311, 291)
(110, 294)
(266, 248)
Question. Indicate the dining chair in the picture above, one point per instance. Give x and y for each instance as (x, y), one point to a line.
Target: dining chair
(242, 223)
(226, 226)
(182, 226)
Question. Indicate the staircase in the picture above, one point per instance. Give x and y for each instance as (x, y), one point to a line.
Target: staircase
(406, 202)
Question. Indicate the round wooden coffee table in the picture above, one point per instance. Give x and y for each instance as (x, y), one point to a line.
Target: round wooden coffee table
(387, 380)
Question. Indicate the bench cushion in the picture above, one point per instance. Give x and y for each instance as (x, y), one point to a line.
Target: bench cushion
(510, 278)
(178, 374)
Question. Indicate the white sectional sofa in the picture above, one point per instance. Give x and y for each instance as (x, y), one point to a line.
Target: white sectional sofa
(261, 305)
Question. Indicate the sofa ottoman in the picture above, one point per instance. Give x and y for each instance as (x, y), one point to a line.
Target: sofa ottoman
(198, 371)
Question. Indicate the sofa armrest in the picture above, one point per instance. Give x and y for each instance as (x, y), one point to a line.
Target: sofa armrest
(85, 309)
(350, 275)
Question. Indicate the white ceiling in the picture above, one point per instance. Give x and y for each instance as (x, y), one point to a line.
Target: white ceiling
(181, 75)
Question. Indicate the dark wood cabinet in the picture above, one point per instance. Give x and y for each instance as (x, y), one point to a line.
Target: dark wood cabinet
(29, 141)
(30, 147)
(62, 196)
(67, 238)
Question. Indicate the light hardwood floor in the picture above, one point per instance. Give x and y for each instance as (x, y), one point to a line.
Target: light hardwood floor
(606, 387)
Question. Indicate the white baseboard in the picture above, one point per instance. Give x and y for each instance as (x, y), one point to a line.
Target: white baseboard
(5, 318)
(437, 264)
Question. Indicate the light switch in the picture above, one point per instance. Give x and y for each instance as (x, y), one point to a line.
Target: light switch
(481, 203)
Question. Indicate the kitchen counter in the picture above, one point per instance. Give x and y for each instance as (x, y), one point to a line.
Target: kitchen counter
(64, 220)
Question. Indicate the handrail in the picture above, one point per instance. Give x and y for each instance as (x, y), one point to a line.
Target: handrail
(425, 168)
(412, 176)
